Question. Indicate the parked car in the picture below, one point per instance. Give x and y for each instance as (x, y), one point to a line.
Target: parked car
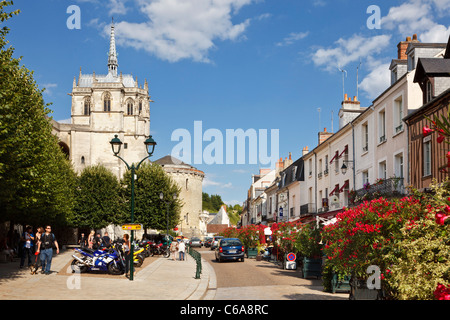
(230, 249)
(215, 241)
(207, 242)
(195, 242)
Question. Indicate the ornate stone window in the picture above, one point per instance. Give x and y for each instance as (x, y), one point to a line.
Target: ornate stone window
(107, 102)
(130, 107)
(87, 106)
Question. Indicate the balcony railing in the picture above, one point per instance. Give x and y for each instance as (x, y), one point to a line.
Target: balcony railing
(387, 188)
(308, 208)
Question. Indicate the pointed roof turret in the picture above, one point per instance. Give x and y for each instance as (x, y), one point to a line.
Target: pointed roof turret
(112, 55)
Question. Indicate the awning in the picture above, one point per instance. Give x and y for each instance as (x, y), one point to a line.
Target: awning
(346, 184)
(334, 190)
(345, 149)
(335, 156)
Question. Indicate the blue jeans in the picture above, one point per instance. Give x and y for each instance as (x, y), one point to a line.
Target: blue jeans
(46, 259)
(181, 255)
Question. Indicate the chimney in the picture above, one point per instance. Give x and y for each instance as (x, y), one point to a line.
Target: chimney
(403, 45)
(324, 135)
(305, 150)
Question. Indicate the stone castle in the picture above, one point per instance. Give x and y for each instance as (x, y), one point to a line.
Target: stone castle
(106, 105)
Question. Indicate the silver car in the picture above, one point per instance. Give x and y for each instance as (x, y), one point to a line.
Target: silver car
(215, 242)
(195, 242)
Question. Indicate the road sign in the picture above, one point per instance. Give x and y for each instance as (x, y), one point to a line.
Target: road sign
(291, 256)
(132, 226)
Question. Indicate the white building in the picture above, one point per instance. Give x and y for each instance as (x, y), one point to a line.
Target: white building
(104, 106)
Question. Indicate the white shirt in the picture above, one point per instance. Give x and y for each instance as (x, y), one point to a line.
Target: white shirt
(181, 246)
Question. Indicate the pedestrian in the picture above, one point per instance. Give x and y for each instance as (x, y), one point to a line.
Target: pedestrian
(39, 232)
(126, 251)
(83, 241)
(27, 249)
(97, 242)
(173, 249)
(91, 239)
(45, 248)
(106, 240)
(182, 249)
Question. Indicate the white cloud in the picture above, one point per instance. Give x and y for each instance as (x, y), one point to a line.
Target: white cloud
(293, 37)
(207, 182)
(179, 29)
(376, 81)
(49, 88)
(350, 50)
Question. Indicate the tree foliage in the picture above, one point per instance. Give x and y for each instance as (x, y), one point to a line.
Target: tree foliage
(150, 210)
(211, 203)
(36, 178)
(98, 199)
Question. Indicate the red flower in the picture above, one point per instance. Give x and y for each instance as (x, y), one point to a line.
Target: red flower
(426, 131)
(440, 139)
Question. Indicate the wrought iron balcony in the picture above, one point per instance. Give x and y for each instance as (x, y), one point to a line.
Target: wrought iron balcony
(387, 188)
(309, 208)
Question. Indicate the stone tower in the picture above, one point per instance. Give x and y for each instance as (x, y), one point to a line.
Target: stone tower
(102, 106)
(189, 179)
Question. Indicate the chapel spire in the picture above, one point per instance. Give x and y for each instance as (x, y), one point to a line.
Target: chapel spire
(112, 55)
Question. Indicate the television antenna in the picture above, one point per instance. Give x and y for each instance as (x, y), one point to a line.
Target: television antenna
(357, 82)
(344, 75)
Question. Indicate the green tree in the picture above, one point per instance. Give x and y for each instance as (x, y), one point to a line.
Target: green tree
(149, 209)
(36, 178)
(211, 203)
(98, 199)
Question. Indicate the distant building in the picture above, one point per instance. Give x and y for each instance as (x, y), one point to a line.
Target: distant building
(189, 179)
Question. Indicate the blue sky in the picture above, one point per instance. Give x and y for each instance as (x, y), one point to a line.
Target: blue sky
(232, 64)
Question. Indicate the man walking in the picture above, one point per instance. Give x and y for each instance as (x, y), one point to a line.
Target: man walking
(182, 249)
(27, 249)
(45, 247)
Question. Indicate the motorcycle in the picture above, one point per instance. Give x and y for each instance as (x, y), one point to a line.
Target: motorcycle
(160, 249)
(110, 261)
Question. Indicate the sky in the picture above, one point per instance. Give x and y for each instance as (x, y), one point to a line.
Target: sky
(274, 66)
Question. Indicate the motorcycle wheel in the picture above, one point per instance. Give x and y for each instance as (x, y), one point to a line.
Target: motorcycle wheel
(166, 254)
(115, 269)
(78, 267)
(138, 261)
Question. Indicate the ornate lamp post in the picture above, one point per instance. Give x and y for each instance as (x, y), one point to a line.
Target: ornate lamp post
(116, 145)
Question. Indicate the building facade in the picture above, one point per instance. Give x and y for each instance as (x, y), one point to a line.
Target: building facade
(104, 106)
(189, 179)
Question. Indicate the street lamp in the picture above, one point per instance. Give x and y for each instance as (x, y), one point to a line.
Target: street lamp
(168, 202)
(116, 145)
(344, 166)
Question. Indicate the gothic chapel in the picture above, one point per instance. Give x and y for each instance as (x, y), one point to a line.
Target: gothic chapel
(102, 106)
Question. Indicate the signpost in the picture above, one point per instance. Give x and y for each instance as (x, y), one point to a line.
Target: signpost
(132, 226)
(290, 263)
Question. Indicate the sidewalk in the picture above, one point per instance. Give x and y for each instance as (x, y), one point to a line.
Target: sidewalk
(162, 279)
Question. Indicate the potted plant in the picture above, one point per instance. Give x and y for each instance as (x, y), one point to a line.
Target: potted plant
(308, 245)
(249, 237)
(362, 236)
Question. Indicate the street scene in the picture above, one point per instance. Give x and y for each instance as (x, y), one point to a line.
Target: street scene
(251, 151)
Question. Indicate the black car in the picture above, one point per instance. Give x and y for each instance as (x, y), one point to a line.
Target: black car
(207, 242)
(230, 249)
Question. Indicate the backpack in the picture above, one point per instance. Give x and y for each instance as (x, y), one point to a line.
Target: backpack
(48, 243)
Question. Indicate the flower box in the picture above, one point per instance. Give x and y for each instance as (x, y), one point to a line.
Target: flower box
(312, 267)
(341, 285)
(252, 253)
(359, 291)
